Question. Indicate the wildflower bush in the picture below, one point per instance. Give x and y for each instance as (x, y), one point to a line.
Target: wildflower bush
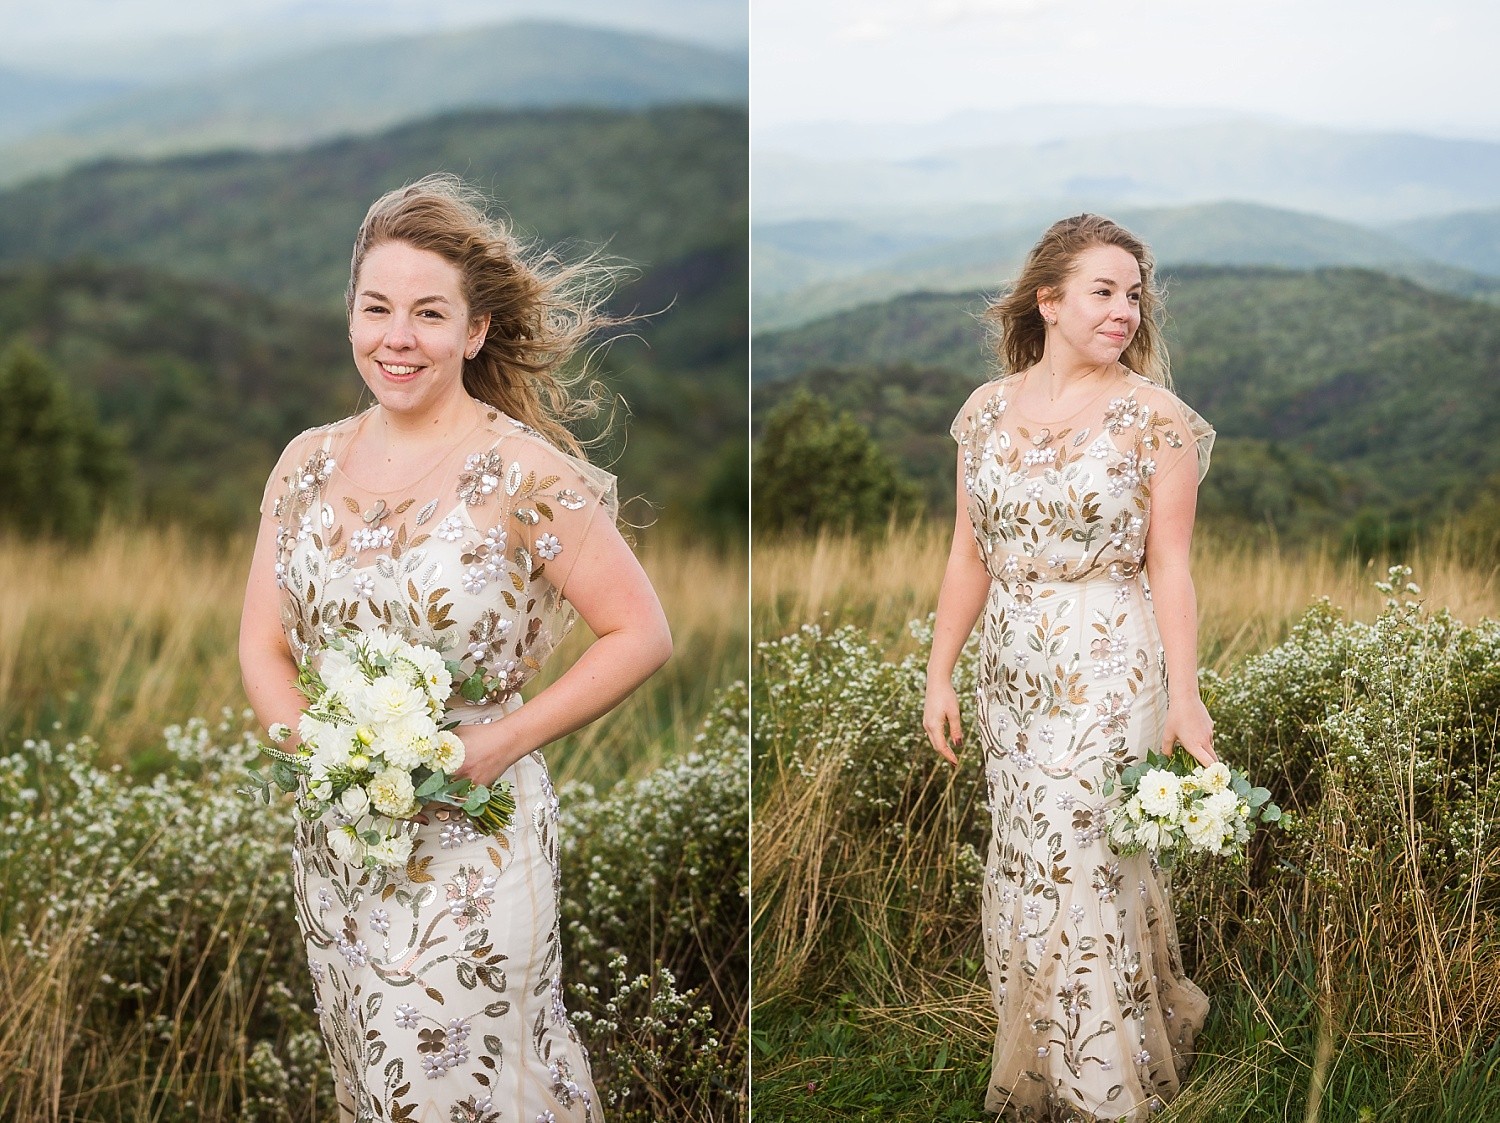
(152, 966)
(1361, 944)
(656, 874)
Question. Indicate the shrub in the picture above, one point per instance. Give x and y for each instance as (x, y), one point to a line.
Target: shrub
(153, 969)
(815, 470)
(1373, 920)
(656, 873)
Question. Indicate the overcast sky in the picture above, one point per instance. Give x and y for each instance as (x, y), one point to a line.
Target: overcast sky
(1425, 66)
(47, 32)
(1414, 64)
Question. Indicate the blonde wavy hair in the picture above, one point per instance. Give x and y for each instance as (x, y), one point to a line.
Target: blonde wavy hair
(542, 309)
(1015, 321)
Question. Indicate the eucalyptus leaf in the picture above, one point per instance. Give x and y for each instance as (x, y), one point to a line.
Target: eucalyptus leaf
(284, 775)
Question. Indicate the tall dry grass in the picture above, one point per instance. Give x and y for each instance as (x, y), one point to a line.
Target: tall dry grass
(1248, 592)
(1365, 972)
(159, 990)
(139, 629)
(117, 640)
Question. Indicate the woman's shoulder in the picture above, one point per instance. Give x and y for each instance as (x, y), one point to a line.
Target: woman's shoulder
(984, 392)
(528, 451)
(324, 437)
(1174, 424)
(978, 400)
(1162, 399)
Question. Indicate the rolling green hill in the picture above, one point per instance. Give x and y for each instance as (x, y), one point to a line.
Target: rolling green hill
(204, 382)
(1342, 397)
(804, 270)
(664, 188)
(1468, 240)
(363, 87)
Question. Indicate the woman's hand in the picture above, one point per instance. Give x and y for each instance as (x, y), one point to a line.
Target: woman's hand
(940, 719)
(1189, 725)
(487, 753)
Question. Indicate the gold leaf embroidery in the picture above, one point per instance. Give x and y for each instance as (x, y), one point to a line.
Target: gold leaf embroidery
(416, 869)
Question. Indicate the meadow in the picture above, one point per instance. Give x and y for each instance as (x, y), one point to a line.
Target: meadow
(1353, 959)
(145, 909)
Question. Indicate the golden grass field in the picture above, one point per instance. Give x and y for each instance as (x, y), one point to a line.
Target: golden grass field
(138, 631)
(844, 911)
(1248, 593)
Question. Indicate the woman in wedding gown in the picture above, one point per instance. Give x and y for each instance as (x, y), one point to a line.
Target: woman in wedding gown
(1077, 481)
(458, 511)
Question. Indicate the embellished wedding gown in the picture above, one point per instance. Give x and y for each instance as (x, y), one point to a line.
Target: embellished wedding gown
(1096, 1018)
(437, 985)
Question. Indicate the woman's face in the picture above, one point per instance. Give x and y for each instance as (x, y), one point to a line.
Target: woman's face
(410, 327)
(1099, 309)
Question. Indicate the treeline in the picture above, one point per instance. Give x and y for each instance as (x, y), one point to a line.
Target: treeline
(195, 305)
(1351, 406)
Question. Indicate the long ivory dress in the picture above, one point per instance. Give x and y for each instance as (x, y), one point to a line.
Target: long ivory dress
(1096, 1018)
(437, 986)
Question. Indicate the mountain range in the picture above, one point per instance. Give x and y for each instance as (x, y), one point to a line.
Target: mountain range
(808, 268)
(1364, 177)
(1343, 398)
(135, 241)
(355, 88)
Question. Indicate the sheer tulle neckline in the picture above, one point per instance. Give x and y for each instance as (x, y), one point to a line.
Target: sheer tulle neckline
(487, 415)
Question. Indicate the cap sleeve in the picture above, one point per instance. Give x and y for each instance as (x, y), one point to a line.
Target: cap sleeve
(556, 501)
(1183, 437)
(285, 479)
(964, 422)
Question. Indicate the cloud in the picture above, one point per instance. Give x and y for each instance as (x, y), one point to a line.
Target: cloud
(865, 30)
(878, 22)
(963, 11)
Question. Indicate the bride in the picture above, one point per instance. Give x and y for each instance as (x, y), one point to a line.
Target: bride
(1077, 481)
(459, 511)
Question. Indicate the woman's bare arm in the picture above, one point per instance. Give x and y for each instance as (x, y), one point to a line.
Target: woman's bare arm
(1169, 539)
(966, 583)
(614, 597)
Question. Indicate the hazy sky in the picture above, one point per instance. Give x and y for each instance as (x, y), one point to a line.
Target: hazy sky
(1426, 66)
(46, 32)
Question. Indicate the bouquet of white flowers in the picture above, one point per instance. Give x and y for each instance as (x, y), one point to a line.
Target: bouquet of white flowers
(372, 750)
(1173, 807)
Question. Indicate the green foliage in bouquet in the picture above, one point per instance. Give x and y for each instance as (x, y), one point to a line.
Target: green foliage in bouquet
(327, 771)
(1174, 807)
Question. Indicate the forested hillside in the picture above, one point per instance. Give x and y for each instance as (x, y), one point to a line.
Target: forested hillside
(209, 320)
(1348, 402)
(358, 88)
(808, 269)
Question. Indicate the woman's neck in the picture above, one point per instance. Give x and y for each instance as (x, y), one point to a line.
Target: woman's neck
(443, 423)
(1057, 375)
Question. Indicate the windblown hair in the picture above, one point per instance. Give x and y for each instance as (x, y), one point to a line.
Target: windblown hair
(1016, 321)
(541, 309)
